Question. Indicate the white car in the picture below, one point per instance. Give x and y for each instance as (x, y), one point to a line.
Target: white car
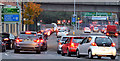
(62, 33)
(97, 46)
(61, 41)
(87, 30)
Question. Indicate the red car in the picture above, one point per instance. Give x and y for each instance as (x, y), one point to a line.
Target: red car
(70, 45)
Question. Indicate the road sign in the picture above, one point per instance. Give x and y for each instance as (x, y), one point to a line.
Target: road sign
(73, 20)
(96, 14)
(10, 10)
(99, 18)
(10, 18)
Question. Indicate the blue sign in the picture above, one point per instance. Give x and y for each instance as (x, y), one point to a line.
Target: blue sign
(73, 19)
(11, 17)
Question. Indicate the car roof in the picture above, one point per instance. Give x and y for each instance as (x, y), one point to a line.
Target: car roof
(97, 36)
(73, 36)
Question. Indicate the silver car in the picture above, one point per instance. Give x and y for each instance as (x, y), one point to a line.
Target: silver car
(97, 46)
(28, 41)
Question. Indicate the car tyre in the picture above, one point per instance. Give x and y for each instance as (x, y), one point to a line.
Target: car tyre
(46, 48)
(38, 52)
(16, 51)
(62, 53)
(4, 50)
(68, 53)
(59, 52)
(113, 57)
(77, 54)
(99, 57)
(90, 56)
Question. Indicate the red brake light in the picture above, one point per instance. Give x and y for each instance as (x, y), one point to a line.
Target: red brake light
(116, 34)
(93, 44)
(18, 40)
(107, 33)
(6, 39)
(72, 44)
(27, 32)
(41, 40)
(37, 41)
(38, 33)
(113, 44)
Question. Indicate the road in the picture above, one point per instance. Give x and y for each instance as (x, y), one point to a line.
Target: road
(51, 53)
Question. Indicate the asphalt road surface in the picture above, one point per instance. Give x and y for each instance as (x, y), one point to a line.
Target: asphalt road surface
(51, 53)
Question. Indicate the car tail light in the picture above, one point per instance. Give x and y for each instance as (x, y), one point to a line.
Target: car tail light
(107, 34)
(72, 44)
(60, 43)
(18, 40)
(93, 44)
(38, 33)
(28, 32)
(37, 41)
(6, 39)
(41, 40)
(113, 44)
(116, 34)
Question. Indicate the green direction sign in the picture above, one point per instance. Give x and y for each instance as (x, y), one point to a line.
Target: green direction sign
(10, 10)
(96, 14)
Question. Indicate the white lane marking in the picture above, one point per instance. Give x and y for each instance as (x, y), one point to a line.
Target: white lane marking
(6, 54)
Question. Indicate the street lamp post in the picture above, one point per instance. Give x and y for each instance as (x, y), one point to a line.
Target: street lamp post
(74, 16)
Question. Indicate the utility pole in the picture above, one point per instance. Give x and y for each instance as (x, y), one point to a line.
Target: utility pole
(74, 15)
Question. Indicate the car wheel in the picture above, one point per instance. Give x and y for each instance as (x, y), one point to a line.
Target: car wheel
(16, 51)
(59, 52)
(113, 57)
(90, 55)
(62, 53)
(4, 50)
(38, 51)
(99, 57)
(77, 54)
(68, 53)
(46, 48)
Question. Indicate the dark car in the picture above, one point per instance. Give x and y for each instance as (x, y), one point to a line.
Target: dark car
(8, 39)
(43, 42)
(2, 46)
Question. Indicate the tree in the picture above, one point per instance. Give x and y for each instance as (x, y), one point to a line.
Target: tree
(31, 12)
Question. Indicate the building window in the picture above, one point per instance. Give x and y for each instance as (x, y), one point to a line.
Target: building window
(2, 27)
(7, 28)
(13, 27)
(10, 28)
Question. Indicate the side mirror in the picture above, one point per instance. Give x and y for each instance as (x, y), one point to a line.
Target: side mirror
(58, 40)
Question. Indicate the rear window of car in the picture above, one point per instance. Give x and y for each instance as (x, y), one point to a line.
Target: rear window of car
(77, 39)
(5, 35)
(103, 40)
(24, 36)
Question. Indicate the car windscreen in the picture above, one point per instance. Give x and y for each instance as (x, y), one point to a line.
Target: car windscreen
(24, 36)
(77, 39)
(64, 39)
(103, 41)
(5, 35)
(61, 30)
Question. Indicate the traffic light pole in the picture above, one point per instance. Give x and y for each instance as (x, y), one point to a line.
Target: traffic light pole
(74, 16)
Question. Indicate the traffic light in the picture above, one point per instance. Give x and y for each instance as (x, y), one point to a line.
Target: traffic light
(69, 21)
(40, 20)
(64, 21)
(116, 23)
(58, 22)
(80, 21)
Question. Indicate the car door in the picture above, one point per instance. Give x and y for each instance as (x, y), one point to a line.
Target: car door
(82, 46)
(67, 44)
(87, 45)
